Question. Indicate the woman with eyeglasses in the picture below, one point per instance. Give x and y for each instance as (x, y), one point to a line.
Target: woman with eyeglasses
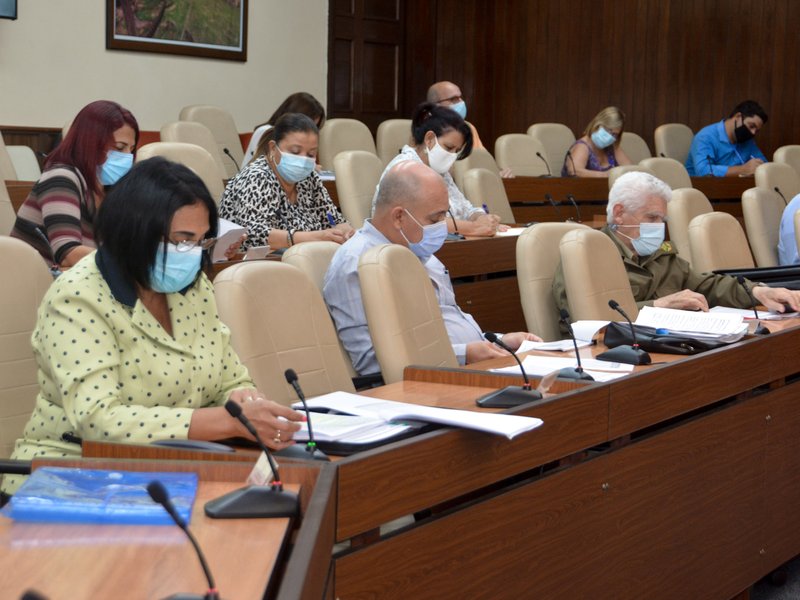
(128, 341)
(598, 151)
(278, 197)
(57, 217)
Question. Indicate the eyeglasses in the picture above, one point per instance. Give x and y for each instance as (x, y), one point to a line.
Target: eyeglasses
(451, 100)
(186, 245)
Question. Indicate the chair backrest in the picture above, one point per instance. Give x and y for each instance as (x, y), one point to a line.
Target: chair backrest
(196, 158)
(634, 146)
(482, 186)
(685, 205)
(193, 132)
(763, 209)
(479, 158)
(613, 174)
(673, 140)
(778, 175)
(19, 303)
(278, 321)
(357, 175)
(403, 313)
(517, 151)
(555, 139)
(669, 170)
(313, 259)
(338, 135)
(25, 164)
(7, 214)
(7, 170)
(797, 228)
(594, 274)
(788, 155)
(222, 126)
(538, 258)
(391, 136)
(718, 242)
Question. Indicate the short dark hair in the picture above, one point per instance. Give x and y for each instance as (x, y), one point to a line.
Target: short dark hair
(291, 123)
(136, 215)
(439, 119)
(750, 108)
(299, 102)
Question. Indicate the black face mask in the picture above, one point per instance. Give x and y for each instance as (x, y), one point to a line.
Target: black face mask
(742, 134)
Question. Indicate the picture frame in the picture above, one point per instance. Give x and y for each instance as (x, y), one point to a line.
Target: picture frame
(201, 28)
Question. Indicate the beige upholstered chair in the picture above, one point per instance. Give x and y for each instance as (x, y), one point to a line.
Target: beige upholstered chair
(482, 186)
(788, 155)
(479, 158)
(613, 174)
(403, 313)
(594, 274)
(19, 303)
(7, 170)
(669, 170)
(7, 214)
(338, 135)
(634, 146)
(357, 175)
(278, 321)
(781, 176)
(717, 241)
(223, 128)
(192, 132)
(763, 209)
(194, 157)
(797, 228)
(518, 152)
(685, 205)
(555, 139)
(673, 140)
(538, 258)
(391, 136)
(25, 164)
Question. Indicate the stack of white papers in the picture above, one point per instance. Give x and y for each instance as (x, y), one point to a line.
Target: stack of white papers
(540, 366)
(511, 231)
(748, 314)
(557, 346)
(349, 428)
(720, 326)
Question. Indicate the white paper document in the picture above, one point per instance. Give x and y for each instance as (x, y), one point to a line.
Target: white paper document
(348, 428)
(228, 233)
(722, 326)
(586, 330)
(747, 313)
(396, 412)
(542, 365)
(557, 346)
(511, 231)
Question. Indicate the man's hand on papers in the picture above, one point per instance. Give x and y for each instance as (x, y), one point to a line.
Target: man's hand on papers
(683, 300)
(776, 299)
(514, 340)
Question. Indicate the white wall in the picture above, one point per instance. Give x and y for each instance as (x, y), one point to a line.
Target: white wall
(53, 61)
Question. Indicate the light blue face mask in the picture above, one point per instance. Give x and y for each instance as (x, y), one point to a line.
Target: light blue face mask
(433, 236)
(117, 164)
(602, 138)
(651, 236)
(293, 167)
(461, 108)
(179, 271)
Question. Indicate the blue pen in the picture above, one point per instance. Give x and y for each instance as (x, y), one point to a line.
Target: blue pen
(331, 220)
(662, 331)
(486, 209)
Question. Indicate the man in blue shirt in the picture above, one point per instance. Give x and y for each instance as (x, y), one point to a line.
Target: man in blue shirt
(787, 243)
(728, 148)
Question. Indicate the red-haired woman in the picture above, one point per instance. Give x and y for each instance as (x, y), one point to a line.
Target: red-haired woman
(57, 218)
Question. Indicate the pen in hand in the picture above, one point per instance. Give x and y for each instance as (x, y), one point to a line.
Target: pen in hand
(331, 220)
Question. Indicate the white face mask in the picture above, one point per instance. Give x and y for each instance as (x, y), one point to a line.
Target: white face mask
(439, 159)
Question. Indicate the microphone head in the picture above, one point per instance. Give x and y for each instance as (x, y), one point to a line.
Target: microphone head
(564, 314)
(777, 189)
(740, 279)
(539, 154)
(234, 408)
(158, 492)
(290, 375)
(613, 304)
(490, 337)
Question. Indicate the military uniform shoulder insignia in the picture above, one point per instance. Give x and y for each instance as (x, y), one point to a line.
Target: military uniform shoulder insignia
(667, 247)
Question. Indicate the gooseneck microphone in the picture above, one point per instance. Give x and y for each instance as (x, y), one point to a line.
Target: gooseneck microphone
(572, 372)
(760, 329)
(229, 155)
(631, 355)
(254, 501)
(777, 189)
(512, 395)
(572, 162)
(160, 496)
(310, 450)
(546, 164)
(554, 204)
(455, 235)
(571, 198)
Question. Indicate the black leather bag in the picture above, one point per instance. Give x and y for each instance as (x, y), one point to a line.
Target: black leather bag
(619, 334)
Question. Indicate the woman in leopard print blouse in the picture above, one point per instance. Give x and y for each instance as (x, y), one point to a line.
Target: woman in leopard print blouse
(279, 198)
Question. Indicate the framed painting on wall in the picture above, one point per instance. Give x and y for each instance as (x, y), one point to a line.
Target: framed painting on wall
(206, 28)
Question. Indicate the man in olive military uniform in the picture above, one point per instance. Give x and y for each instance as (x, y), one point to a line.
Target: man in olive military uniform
(637, 211)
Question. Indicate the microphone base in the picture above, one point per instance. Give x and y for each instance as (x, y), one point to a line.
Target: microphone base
(508, 397)
(626, 354)
(301, 452)
(574, 373)
(254, 502)
(761, 330)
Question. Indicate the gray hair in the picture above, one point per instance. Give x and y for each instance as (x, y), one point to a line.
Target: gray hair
(632, 190)
(396, 187)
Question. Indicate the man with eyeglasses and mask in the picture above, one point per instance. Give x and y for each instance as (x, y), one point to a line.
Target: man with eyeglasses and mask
(636, 216)
(410, 210)
(728, 148)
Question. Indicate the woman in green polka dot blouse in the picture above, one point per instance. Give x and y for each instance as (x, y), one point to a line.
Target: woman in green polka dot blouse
(128, 342)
